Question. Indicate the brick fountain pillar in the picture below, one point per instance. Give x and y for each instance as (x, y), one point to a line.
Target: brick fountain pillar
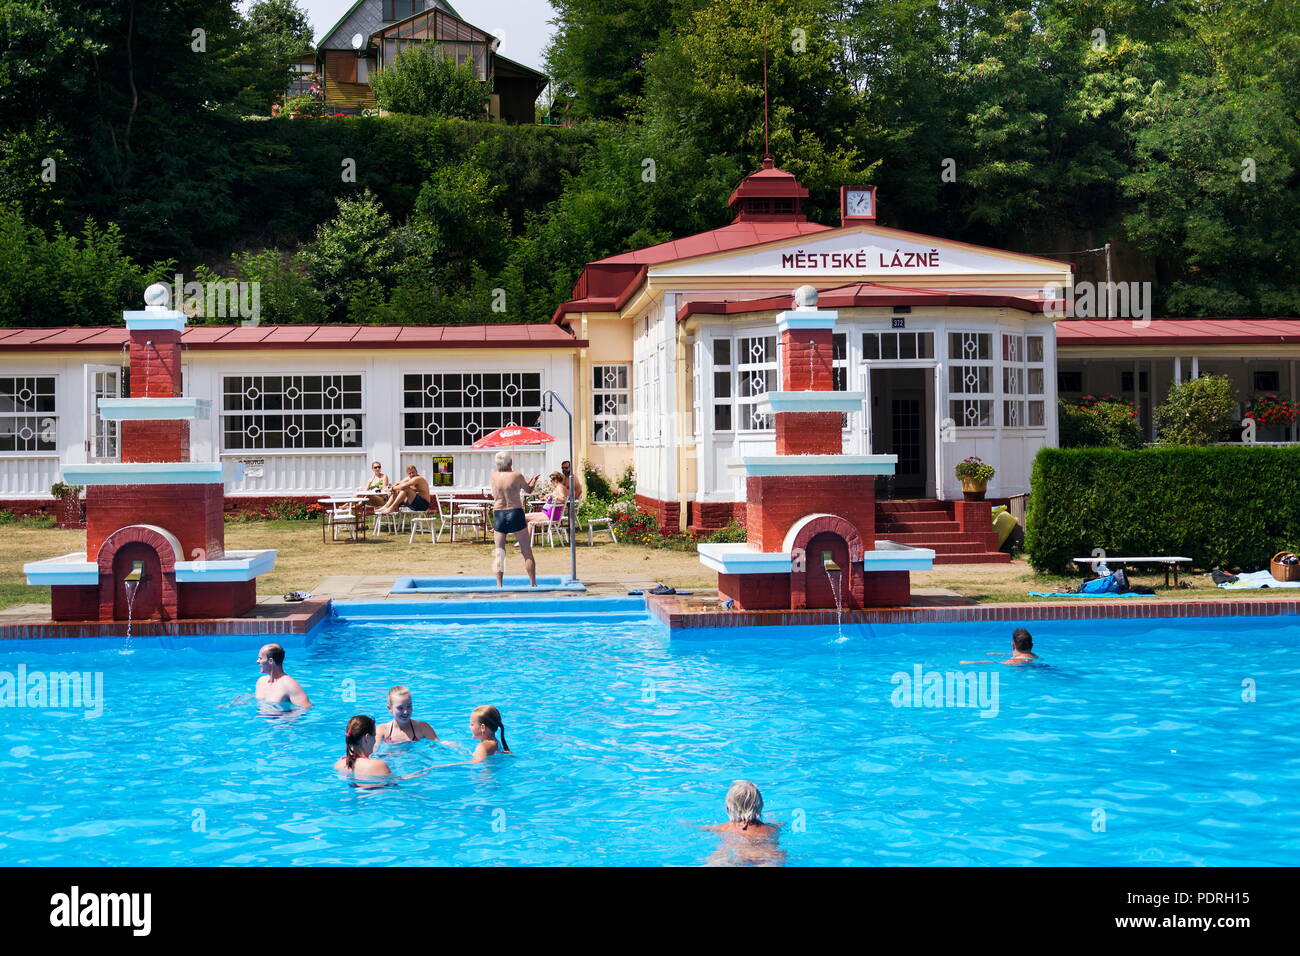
(810, 509)
(156, 511)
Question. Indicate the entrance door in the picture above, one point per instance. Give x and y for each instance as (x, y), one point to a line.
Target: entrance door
(102, 381)
(901, 425)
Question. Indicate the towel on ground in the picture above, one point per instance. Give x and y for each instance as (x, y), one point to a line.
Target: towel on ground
(1257, 579)
(1076, 594)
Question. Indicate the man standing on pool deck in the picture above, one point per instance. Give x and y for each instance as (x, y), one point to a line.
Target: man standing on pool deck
(275, 686)
(508, 488)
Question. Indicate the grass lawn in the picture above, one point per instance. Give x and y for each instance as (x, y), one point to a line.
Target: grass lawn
(304, 562)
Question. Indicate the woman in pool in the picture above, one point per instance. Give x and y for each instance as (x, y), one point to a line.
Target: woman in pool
(484, 724)
(360, 743)
(402, 728)
(747, 840)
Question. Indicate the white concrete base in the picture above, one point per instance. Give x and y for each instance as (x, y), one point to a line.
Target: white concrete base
(739, 558)
(75, 569)
(154, 473)
(154, 409)
(800, 465)
(811, 401)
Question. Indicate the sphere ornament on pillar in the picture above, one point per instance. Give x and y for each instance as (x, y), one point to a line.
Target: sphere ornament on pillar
(805, 297)
(157, 297)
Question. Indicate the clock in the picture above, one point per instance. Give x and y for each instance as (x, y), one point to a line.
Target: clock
(858, 203)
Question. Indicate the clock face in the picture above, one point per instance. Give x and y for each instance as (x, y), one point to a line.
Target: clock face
(857, 202)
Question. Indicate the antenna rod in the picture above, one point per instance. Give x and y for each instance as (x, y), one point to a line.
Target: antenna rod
(766, 150)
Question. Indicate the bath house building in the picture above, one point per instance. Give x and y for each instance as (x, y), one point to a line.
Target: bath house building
(664, 355)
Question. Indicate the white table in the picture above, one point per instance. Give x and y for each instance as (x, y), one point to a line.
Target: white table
(1168, 560)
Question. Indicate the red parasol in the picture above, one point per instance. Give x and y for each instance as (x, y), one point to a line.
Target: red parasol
(513, 435)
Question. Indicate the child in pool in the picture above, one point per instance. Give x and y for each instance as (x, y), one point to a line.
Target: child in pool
(484, 724)
(747, 840)
(402, 728)
(360, 743)
(1022, 649)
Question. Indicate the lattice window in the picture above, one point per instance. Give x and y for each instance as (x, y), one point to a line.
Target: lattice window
(610, 400)
(723, 393)
(840, 368)
(28, 422)
(291, 412)
(456, 409)
(970, 379)
(756, 375)
(1023, 379)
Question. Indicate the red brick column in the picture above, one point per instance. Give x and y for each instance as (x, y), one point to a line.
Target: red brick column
(162, 571)
(809, 433)
(976, 518)
(155, 373)
(794, 364)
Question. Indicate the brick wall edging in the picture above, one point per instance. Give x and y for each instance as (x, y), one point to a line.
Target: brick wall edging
(670, 612)
(311, 614)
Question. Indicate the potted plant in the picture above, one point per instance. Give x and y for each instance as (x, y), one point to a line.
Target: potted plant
(69, 504)
(974, 475)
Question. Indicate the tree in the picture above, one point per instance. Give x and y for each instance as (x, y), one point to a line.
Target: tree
(1199, 411)
(280, 27)
(359, 249)
(458, 226)
(425, 81)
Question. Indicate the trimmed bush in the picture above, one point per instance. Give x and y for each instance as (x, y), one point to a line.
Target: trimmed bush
(1101, 425)
(1197, 412)
(1229, 506)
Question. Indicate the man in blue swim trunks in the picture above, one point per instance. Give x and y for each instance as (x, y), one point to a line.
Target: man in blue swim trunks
(412, 491)
(508, 490)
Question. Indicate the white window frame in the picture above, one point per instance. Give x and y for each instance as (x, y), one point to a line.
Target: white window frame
(601, 395)
(359, 412)
(897, 335)
(1018, 402)
(745, 380)
(962, 359)
(527, 417)
(44, 419)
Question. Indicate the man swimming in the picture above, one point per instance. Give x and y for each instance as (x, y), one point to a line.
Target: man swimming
(275, 686)
(402, 729)
(746, 840)
(1022, 649)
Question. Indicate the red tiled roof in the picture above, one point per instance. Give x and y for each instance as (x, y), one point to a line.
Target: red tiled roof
(1213, 331)
(860, 294)
(545, 335)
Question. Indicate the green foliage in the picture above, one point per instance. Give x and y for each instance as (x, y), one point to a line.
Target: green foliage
(627, 484)
(732, 533)
(596, 483)
(1199, 411)
(61, 490)
(281, 28)
(1174, 501)
(358, 254)
(974, 469)
(425, 82)
(63, 279)
(1103, 425)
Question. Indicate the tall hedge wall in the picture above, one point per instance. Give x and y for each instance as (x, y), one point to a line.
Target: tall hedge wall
(1218, 506)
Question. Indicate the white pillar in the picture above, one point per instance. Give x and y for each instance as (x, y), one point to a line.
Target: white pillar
(1196, 367)
(1178, 370)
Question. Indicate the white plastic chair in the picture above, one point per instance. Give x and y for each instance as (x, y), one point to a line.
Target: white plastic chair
(605, 524)
(467, 516)
(434, 520)
(395, 520)
(550, 526)
(344, 514)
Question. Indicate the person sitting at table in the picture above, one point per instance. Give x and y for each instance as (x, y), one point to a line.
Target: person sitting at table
(553, 509)
(377, 488)
(412, 491)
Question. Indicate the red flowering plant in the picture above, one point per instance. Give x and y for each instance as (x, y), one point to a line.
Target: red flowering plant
(1272, 409)
(1089, 402)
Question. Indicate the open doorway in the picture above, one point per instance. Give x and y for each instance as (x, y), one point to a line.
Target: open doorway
(902, 424)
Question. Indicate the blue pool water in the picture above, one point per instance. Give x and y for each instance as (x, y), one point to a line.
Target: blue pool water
(1134, 746)
(463, 583)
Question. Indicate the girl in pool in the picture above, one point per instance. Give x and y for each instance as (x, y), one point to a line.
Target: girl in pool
(484, 723)
(402, 728)
(360, 743)
(747, 840)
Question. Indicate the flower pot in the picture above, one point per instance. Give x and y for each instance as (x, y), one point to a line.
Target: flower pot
(972, 489)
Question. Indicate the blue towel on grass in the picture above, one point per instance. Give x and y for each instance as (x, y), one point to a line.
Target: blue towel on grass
(1075, 594)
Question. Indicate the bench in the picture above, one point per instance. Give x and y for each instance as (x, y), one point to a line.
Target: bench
(1112, 560)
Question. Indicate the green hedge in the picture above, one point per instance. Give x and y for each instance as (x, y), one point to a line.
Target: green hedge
(1225, 506)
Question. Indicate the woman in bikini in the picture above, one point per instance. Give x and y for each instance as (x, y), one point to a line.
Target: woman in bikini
(359, 742)
(402, 728)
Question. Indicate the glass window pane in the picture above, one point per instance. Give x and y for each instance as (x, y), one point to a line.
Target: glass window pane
(1035, 348)
(722, 418)
(926, 349)
(722, 384)
(722, 351)
(870, 346)
(906, 345)
(889, 346)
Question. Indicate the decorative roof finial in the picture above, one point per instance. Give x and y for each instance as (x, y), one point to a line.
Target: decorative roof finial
(805, 297)
(157, 297)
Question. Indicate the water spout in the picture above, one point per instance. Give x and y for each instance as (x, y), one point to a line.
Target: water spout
(136, 574)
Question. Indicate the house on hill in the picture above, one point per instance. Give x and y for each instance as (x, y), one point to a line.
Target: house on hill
(372, 33)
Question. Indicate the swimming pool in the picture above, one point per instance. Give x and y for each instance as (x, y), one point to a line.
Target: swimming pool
(1134, 747)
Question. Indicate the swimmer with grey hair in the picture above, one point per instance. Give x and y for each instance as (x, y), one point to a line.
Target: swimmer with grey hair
(508, 490)
(746, 839)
